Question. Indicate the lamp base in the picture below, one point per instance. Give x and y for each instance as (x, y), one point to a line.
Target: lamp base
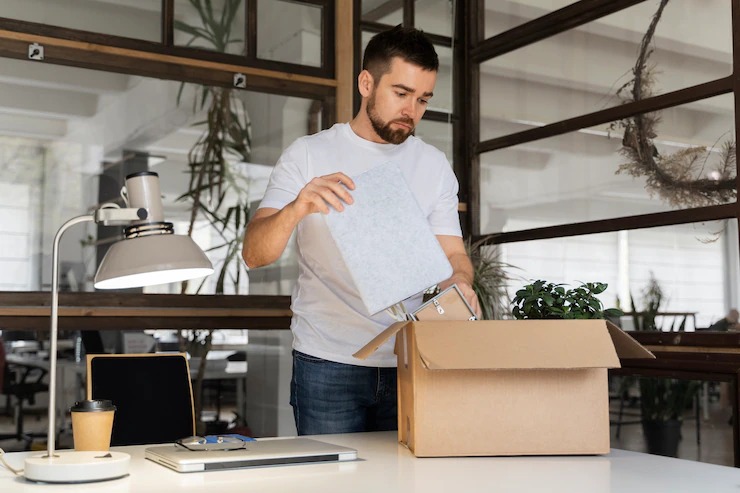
(76, 467)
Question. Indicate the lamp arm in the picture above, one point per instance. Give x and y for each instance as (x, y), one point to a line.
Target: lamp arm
(51, 435)
(108, 215)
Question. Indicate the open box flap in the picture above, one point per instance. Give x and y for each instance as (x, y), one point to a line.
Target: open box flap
(515, 344)
(379, 340)
(625, 345)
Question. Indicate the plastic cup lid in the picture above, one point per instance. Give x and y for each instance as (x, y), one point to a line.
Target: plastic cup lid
(93, 405)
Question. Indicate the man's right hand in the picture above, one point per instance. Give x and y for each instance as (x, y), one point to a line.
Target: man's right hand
(322, 192)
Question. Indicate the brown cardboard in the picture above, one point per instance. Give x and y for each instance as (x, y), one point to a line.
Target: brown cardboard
(524, 387)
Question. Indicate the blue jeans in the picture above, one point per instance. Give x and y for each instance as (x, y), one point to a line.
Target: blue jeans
(329, 397)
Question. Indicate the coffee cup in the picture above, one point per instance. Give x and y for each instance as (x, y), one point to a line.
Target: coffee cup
(92, 424)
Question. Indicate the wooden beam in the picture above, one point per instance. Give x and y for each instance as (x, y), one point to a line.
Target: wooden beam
(668, 218)
(145, 56)
(134, 311)
(668, 100)
(344, 51)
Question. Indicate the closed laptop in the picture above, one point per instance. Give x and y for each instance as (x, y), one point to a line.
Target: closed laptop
(258, 453)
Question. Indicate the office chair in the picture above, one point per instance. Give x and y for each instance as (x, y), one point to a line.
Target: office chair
(152, 393)
(20, 383)
(92, 341)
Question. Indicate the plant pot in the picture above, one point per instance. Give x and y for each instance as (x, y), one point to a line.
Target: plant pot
(662, 437)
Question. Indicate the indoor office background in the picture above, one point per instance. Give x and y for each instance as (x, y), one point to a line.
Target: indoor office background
(527, 109)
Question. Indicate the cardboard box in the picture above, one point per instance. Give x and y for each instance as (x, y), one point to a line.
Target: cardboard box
(514, 387)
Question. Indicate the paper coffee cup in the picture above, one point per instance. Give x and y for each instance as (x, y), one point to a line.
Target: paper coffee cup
(92, 424)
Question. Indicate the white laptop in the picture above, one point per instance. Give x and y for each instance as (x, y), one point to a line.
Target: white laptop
(258, 453)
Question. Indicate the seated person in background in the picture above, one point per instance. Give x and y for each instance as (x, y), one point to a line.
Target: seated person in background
(730, 322)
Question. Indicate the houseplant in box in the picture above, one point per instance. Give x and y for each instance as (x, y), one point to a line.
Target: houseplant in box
(663, 401)
(542, 300)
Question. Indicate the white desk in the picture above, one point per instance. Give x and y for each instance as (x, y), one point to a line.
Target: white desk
(387, 467)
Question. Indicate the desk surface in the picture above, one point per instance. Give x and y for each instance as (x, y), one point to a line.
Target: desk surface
(386, 466)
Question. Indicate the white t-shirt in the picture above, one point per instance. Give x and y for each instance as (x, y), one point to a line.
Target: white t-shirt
(329, 318)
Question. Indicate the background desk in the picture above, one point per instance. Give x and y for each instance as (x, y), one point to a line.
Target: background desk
(70, 384)
(233, 370)
(386, 466)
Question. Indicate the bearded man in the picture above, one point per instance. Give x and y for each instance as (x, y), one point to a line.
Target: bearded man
(331, 392)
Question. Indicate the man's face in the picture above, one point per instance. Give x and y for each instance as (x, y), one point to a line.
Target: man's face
(399, 99)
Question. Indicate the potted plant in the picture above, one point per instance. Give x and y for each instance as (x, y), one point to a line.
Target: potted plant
(490, 279)
(663, 401)
(542, 300)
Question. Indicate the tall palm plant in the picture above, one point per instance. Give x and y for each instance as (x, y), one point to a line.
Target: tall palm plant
(217, 190)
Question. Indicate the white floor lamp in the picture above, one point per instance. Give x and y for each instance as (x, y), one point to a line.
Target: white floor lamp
(149, 254)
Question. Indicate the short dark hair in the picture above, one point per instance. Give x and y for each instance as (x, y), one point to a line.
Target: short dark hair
(407, 43)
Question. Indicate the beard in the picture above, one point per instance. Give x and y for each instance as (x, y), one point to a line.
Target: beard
(384, 130)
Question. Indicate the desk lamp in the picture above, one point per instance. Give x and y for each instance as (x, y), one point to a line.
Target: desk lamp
(149, 254)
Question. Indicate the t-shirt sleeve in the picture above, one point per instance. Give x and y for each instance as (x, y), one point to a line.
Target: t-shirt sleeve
(444, 219)
(287, 178)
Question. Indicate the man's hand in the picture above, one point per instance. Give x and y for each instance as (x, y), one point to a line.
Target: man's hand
(462, 270)
(322, 192)
(466, 289)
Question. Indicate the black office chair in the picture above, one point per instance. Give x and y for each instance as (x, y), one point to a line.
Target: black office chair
(152, 394)
(20, 383)
(92, 341)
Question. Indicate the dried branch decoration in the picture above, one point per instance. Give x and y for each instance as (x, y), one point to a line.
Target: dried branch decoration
(683, 178)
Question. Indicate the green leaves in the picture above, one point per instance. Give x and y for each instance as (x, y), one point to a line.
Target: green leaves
(490, 279)
(215, 31)
(542, 300)
(218, 191)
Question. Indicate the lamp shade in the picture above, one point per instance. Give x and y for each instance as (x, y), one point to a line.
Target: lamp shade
(149, 260)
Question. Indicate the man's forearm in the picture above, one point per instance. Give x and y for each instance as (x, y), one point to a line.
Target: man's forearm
(462, 268)
(266, 237)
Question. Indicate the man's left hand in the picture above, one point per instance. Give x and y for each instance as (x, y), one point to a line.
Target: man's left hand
(466, 289)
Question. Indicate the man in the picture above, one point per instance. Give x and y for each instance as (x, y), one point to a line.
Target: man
(728, 323)
(331, 392)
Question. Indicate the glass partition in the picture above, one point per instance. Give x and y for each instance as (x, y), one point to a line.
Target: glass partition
(502, 16)
(129, 19)
(289, 32)
(388, 13)
(79, 142)
(434, 16)
(217, 25)
(598, 173)
(589, 68)
(694, 266)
